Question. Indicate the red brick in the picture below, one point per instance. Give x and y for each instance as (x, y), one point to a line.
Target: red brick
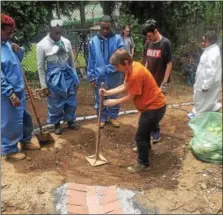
(111, 206)
(106, 190)
(77, 198)
(93, 206)
(77, 187)
(117, 211)
(91, 191)
(75, 193)
(73, 209)
(110, 197)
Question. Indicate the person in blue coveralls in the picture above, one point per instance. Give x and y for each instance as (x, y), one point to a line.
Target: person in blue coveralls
(58, 77)
(101, 48)
(16, 122)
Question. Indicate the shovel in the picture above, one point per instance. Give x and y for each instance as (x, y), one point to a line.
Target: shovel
(43, 137)
(97, 159)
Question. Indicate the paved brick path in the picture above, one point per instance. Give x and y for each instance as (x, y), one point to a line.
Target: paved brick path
(83, 199)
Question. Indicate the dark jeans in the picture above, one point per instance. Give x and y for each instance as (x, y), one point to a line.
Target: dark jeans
(147, 122)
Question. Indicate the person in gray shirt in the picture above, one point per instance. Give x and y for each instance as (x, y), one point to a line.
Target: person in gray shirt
(58, 77)
(128, 40)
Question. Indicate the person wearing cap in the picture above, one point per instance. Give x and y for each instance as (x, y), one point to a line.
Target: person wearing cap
(16, 122)
(59, 80)
(101, 47)
(140, 88)
(158, 59)
(208, 78)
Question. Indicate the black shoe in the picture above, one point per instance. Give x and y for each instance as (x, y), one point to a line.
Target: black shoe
(73, 125)
(58, 129)
(156, 137)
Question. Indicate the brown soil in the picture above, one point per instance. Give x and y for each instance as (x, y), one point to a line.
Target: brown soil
(28, 185)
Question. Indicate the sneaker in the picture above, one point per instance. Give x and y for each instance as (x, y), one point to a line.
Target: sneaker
(137, 168)
(115, 123)
(102, 124)
(156, 137)
(190, 115)
(135, 149)
(58, 129)
(73, 125)
(16, 156)
(217, 107)
(31, 146)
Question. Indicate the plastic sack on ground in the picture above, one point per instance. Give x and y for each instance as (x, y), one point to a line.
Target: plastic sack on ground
(207, 141)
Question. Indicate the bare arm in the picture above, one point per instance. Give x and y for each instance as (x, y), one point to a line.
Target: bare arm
(167, 72)
(41, 66)
(112, 102)
(120, 89)
(132, 51)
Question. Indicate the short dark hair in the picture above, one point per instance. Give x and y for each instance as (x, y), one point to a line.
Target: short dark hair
(106, 18)
(211, 37)
(149, 26)
(120, 56)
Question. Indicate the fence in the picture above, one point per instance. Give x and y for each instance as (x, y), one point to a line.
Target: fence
(78, 28)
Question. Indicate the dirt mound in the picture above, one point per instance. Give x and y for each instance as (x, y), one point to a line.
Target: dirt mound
(67, 156)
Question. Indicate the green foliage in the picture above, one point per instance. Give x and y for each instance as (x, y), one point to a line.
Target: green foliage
(181, 22)
(30, 18)
(33, 17)
(129, 19)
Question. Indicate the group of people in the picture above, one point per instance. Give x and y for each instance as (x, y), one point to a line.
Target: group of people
(110, 61)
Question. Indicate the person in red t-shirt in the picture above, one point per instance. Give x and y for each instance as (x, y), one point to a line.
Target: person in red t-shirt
(141, 88)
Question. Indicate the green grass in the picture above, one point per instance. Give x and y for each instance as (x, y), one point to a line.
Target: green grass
(29, 62)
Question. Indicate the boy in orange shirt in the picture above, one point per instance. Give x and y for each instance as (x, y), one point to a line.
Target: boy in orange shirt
(148, 98)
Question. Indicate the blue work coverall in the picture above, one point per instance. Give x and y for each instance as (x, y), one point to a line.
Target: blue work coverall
(16, 122)
(57, 73)
(100, 70)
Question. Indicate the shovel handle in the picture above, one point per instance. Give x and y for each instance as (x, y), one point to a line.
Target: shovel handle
(99, 121)
(32, 102)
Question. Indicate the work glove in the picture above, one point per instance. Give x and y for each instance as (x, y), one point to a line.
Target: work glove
(15, 100)
(46, 92)
(164, 87)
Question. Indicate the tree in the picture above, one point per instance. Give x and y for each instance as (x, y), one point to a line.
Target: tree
(33, 17)
(30, 18)
(182, 22)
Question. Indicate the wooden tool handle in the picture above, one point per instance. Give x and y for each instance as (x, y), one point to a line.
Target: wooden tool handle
(32, 103)
(99, 121)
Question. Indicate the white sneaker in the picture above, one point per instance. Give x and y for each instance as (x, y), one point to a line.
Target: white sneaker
(217, 107)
